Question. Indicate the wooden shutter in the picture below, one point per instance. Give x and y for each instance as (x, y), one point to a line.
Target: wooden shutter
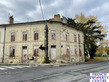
(14, 37)
(74, 38)
(68, 51)
(36, 35)
(79, 38)
(37, 52)
(80, 52)
(25, 36)
(13, 52)
(34, 52)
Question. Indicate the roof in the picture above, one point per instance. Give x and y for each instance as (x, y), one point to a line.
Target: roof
(41, 21)
(31, 22)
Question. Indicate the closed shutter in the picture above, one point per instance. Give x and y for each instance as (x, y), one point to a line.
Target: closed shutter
(36, 35)
(79, 38)
(13, 52)
(68, 51)
(74, 38)
(25, 36)
(80, 52)
(36, 51)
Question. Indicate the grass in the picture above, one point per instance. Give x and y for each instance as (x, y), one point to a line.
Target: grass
(97, 59)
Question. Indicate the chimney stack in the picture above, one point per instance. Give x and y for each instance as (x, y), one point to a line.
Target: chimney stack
(57, 17)
(11, 20)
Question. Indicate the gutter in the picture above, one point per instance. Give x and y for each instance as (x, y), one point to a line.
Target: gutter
(46, 43)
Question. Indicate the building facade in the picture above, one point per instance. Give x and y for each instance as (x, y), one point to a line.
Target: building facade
(23, 42)
(2, 32)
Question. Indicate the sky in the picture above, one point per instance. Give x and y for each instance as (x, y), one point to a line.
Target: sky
(29, 10)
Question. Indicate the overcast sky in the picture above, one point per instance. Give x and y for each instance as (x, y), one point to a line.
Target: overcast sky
(29, 10)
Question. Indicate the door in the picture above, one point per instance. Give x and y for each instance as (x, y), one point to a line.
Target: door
(53, 53)
(24, 54)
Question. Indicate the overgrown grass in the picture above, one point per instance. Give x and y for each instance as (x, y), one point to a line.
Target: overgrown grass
(97, 59)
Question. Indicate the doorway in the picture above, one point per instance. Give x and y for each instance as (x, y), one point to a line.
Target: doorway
(24, 54)
(53, 53)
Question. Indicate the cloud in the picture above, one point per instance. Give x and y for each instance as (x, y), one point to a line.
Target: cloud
(29, 10)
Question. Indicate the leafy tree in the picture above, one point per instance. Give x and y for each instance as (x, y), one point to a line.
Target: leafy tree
(91, 34)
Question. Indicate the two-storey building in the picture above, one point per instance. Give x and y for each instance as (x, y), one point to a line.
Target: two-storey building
(23, 41)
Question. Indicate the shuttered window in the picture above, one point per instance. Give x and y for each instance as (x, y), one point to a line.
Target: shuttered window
(80, 51)
(12, 52)
(74, 37)
(35, 35)
(53, 35)
(12, 36)
(79, 38)
(67, 36)
(24, 36)
(75, 50)
(36, 51)
(67, 51)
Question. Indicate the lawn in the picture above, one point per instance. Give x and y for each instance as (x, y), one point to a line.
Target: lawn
(97, 59)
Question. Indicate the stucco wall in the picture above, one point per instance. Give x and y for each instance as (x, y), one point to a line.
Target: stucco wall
(60, 42)
(73, 57)
(1, 42)
(19, 43)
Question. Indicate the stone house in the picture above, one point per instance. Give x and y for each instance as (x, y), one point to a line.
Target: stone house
(24, 42)
(2, 32)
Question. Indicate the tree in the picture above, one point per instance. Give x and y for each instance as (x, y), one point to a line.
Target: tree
(91, 33)
(103, 48)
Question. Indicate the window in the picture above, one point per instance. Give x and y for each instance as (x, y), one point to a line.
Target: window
(79, 38)
(80, 51)
(67, 51)
(36, 51)
(74, 37)
(53, 35)
(24, 36)
(35, 35)
(12, 52)
(67, 36)
(75, 50)
(12, 36)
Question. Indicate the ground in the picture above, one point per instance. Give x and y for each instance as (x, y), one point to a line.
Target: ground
(70, 73)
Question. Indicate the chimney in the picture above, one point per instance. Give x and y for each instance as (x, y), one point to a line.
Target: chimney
(11, 20)
(57, 17)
